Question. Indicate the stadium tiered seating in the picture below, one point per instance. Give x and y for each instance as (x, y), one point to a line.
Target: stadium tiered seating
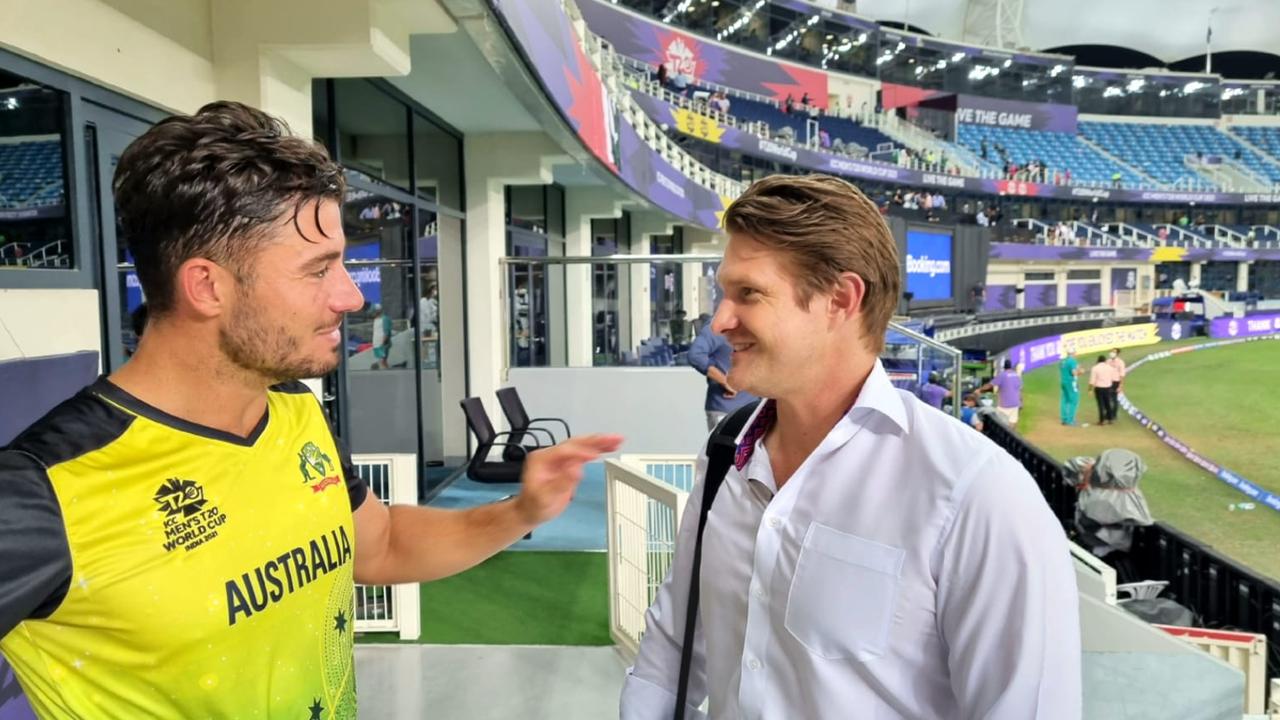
(1267, 138)
(1058, 151)
(838, 128)
(1159, 149)
(30, 174)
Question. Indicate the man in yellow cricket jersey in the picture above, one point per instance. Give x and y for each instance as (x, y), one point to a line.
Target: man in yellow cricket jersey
(180, 539)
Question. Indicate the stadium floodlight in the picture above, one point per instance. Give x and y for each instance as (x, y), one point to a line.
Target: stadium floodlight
(1193, 86)
(957, 57)
(1008, 62)
(1136, 85)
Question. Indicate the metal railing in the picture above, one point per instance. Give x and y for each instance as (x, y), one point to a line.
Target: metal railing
(1014, 323)
(389, 608)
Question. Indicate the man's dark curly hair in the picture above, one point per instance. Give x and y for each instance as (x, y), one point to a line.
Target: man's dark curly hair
(210, 185)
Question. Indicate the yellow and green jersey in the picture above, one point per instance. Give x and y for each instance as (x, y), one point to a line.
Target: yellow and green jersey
(154, 568)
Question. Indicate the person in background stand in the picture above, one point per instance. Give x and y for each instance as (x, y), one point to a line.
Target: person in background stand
(711, 355)
(934, 393)
(1068, 371)
(1008, 388)
(1117, 364)
(1101, 378)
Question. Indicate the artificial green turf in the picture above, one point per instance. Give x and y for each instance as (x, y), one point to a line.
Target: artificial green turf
(1222, 402)
(518, 598)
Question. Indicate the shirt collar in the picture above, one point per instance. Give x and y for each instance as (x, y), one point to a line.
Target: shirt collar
(877, 396)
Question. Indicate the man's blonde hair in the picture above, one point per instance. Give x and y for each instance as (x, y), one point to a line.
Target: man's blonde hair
(824, 226)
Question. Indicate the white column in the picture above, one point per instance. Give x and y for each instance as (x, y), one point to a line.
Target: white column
(643, 227)
(1194, 278)
(698, 287)
(1242, 276)
(491, 162)
(581, 206)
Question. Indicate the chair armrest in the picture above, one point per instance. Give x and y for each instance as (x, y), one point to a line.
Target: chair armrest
(567, 433)
(482, 452)
(512, 435)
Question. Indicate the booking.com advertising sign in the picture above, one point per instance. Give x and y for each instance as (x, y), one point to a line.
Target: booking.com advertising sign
(366, 277)
(929, 265)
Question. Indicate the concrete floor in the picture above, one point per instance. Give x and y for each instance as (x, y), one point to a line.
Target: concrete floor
(488, 682)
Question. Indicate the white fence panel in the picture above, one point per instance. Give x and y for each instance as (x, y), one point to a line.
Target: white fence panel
(389, 608)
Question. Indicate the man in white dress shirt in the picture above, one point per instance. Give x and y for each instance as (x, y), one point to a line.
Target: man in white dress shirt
(867, 556)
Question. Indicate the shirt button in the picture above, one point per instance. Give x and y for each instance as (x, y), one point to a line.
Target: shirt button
(775, 523)
(759, 592)
(753, 664)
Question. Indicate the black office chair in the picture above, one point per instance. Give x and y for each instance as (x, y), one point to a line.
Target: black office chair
(521, 423)
(480, 468)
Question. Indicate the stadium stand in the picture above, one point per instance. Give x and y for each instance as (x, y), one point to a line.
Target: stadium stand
(1161, 149)
(30, 174)
(1058, 151)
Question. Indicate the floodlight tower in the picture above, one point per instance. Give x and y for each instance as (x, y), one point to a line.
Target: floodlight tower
(995, 23)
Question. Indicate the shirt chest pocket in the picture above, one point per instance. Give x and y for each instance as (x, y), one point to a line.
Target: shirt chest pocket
(842, 595)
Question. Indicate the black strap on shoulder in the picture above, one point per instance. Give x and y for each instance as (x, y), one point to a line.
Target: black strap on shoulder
(720, 451)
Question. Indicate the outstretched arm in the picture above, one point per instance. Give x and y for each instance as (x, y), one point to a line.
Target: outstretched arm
(408, 543)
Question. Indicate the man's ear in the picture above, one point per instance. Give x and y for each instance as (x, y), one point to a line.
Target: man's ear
(203, 287)
(848, 295)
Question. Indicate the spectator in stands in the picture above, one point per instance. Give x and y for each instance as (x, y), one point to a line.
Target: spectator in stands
(824, 138)
(428, 310)
(1117, 364)
(1066, 176)
(1163, 234)
(789, 104)
(1101, 378)
(1007, 385)
(969, 412)
(983, 217)
(1068, 371)
(663, 76)
(1184, 221)
(836, 478)
(1116, 177)
(711, 355)
(381, 337)
(804, 101)
(933, 392)
(722, 103)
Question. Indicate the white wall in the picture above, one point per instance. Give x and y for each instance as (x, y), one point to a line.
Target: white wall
(48, 322)
(657, 410)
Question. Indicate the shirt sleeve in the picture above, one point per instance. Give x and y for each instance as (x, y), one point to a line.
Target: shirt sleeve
(1007, 601)
(33, 542)
(649, 692)
(700, 353)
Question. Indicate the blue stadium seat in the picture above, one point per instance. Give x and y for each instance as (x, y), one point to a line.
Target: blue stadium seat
(31, 174)
(1058, 151)
(1159, 149)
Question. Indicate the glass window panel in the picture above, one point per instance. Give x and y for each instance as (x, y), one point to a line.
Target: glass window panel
(35, 227)
(437, 163)
(373, 131)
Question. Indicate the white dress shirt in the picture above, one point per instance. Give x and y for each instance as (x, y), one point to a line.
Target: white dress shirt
(909, 568)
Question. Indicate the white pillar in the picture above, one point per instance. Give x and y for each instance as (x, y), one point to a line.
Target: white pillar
(491, 162)
(697, 286)
(643, 227)
(1242, 276)
(581, 206)
(1193, 279)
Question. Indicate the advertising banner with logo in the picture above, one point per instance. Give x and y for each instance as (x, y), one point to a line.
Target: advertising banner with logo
(1000, 297)
(1250, 326)
(544, 33)
(1025, 252)
(366, 277)
(994, 112)
(1084, 294)
(1049, 350)
(928, 265)
(1250, 490)
(702, 60)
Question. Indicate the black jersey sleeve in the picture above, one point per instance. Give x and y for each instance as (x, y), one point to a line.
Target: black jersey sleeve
(35, 558)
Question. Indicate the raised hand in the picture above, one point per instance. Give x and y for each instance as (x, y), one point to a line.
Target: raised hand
(551, 475)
